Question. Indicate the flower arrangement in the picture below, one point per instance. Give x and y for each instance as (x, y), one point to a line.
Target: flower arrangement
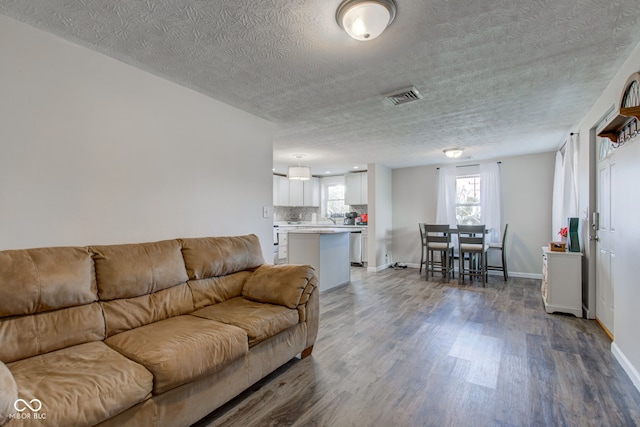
(563, 232)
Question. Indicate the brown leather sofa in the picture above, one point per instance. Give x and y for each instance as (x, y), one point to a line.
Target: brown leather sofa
(149, 334)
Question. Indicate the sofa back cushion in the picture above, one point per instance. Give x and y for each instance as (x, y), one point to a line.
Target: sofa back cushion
(47, 301)
(207, 257)
(141, 283)
(37, 280)
(217, 289)
(132, 270)
(25, 336)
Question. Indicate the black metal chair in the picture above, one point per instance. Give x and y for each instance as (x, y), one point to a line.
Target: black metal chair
(438, 239)
(472, 248)
(500, 247)
(423, 244)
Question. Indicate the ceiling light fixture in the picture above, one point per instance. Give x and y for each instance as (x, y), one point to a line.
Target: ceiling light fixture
(453, 153)
(300, 173)
(365, 19)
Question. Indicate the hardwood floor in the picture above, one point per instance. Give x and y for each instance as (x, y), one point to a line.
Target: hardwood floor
(396, 350)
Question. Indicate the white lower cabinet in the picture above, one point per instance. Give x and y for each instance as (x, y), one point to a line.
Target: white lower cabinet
(562, 282)
(283, 244)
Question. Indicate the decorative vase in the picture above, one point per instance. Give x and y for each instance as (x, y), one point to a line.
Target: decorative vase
(573, 240)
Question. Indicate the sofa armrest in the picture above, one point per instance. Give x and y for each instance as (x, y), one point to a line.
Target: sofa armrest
(286, 285)
(8, 393)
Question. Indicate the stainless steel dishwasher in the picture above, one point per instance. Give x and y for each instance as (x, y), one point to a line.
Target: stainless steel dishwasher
(355, 247)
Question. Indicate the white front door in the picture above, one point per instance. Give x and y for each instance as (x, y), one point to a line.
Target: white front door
(605, 247)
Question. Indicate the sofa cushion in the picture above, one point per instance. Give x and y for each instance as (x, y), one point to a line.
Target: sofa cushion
(278, 284)
(181, 349)
(125, 271)
(260, 321)
(81, 385)
(27, 336)
(128, 313)
(48, 279)
(217, 289)
(218, 256)
(8, 394)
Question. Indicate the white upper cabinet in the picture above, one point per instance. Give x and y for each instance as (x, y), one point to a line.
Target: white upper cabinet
(312, 192)
(280, 190)
(356, 188)
(295, 193)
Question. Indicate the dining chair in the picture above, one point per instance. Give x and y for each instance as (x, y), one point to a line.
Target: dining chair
(471, 242)
(500, 247)
(423, 244)
(438, 238)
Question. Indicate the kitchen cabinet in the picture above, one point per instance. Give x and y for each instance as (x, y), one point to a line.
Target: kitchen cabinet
(311, 192)
(283, 244)
(356, 188)
(280, 190)
(295, 193)
(562, 282)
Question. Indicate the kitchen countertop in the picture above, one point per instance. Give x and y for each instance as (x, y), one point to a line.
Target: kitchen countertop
(322, 230)
(319, 225)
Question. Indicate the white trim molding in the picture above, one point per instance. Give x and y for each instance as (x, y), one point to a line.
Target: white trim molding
(626, 364)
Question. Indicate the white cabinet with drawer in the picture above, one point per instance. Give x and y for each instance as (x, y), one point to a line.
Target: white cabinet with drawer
(562, 282)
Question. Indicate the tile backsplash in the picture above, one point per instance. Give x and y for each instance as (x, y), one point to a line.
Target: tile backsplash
(287, 213)
(298, 213)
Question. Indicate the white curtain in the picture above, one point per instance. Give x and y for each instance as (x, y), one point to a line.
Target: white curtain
(570, 191)
(556, 204)
(446, 205)
(491, 200)
(565, 189)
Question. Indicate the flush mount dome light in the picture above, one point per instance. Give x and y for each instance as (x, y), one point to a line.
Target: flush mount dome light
(365, 19)
(453, 153)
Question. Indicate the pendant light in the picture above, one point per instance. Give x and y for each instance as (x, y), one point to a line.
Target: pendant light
(365, 19)
(300, 173)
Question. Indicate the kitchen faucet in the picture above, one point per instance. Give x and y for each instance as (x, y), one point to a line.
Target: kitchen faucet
(333, 220)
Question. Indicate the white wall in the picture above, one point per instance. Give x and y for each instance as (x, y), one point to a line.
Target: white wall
(527, 184)
(379, 181)
(94, 151)
(626, 203)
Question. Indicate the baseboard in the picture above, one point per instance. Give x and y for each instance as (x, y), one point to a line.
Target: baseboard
(492, 272)
(626, 365)
(605, 329)
(378, 268)
(526, 275)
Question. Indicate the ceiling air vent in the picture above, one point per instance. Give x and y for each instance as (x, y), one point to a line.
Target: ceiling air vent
(403, 96)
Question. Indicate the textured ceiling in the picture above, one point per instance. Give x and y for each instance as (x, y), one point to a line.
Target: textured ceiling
(497, 76)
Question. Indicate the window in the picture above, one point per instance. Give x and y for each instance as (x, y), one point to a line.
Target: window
(334, 201)
(468, 210)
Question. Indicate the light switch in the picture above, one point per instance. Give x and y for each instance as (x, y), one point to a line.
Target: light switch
(265, 212)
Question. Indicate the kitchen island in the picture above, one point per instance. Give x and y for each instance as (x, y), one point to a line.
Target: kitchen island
(326, 249)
